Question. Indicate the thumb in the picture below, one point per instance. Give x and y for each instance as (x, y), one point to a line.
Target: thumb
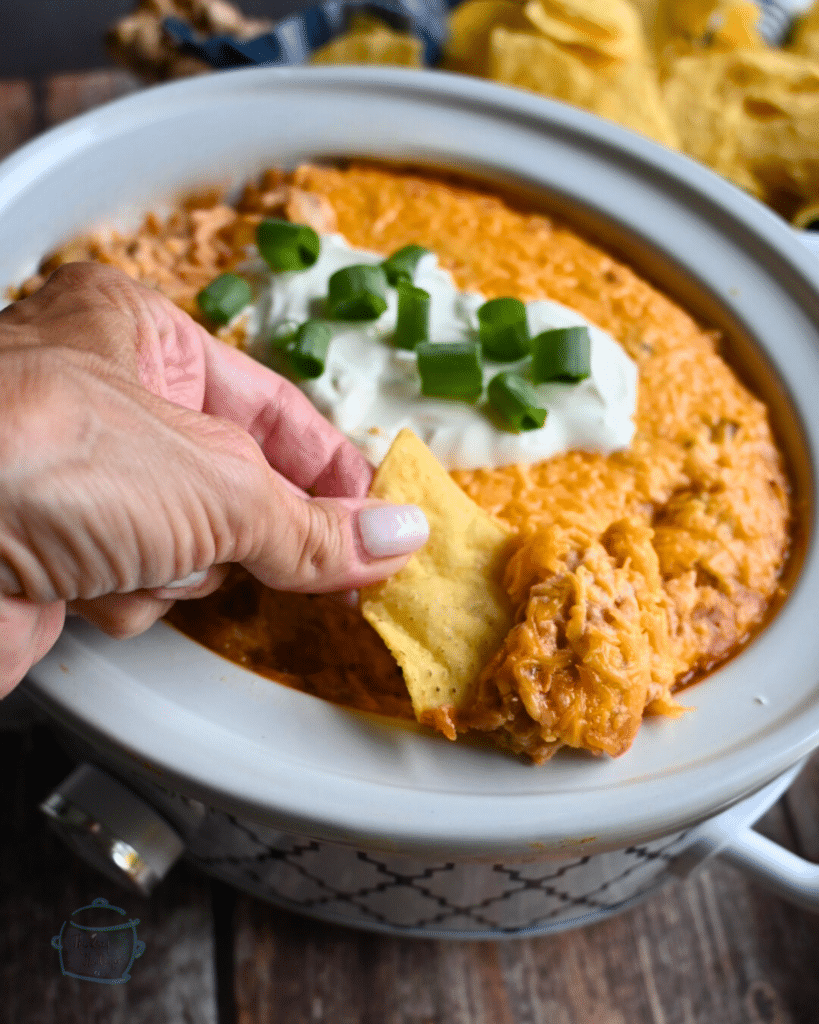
(313, 545)
(27, 633)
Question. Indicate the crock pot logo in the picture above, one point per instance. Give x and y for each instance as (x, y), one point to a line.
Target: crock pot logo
(95, 946)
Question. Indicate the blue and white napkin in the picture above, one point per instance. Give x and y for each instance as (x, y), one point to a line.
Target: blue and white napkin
(293, 39)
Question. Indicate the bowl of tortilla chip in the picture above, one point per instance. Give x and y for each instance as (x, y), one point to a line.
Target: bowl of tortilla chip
(381, 821)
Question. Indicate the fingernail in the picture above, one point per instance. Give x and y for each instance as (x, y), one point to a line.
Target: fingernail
(387, 530)
(194, 580)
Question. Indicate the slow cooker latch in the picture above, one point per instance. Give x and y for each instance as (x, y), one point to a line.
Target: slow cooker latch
(112, 829)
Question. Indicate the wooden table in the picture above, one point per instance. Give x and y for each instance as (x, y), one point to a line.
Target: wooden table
(714, 949)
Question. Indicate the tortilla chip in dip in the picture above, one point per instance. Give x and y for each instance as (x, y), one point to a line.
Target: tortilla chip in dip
(446, 613)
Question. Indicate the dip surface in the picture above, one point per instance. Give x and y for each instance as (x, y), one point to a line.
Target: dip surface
(633, 572)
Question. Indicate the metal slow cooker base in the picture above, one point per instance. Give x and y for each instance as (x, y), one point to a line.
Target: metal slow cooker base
(391, 894)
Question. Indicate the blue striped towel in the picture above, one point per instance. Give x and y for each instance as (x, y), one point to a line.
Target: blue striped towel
(293, 39)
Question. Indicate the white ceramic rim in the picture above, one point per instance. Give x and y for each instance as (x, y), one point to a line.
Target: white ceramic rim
(213, 729)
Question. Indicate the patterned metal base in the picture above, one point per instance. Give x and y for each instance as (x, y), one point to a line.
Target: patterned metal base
(387, 893)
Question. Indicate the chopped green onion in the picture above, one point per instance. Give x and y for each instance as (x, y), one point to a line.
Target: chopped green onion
(284, 334)
(450, 369)
(503, 329)
(309, 349)
(517, 401)
(412, 323)
(224, 297)
(357, 293)
(286, 246)
(563, 354)
(401, 265)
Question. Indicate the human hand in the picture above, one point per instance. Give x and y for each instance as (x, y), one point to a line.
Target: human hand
(136, 450)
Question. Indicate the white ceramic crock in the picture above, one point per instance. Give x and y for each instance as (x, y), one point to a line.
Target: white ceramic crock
(169, 715)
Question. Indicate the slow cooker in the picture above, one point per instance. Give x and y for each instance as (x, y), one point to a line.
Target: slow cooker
(354, 817)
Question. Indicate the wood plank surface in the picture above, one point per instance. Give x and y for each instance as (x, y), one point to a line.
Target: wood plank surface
(29, 106)
(17, 113)
(714, 949)
(67, 95)
(42, 883)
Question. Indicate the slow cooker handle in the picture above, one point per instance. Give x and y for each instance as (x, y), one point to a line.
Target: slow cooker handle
(113, 829)
(788, 875)
(731, 837)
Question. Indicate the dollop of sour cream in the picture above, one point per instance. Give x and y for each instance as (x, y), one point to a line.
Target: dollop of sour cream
(370, 390)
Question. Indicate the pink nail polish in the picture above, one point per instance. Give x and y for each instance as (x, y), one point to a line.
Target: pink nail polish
(388, 530)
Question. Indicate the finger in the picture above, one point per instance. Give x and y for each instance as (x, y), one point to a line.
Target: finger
(290, 485)
(331, 544)
(122, 615)
(133, 327)
(198, 584)
(75, 300)
(28, 631)
(180, 358)
(296, 439)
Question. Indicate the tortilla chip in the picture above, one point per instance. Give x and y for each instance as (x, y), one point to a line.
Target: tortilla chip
(696, 27)
(805, 39)
(446, 613)
(708, 130)
(735, 26)
(753, 116)
(364, 23)
(647, 10)
(381, 46)
(624, 91)
(612, 28)
(470, 26)
(807, 217)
